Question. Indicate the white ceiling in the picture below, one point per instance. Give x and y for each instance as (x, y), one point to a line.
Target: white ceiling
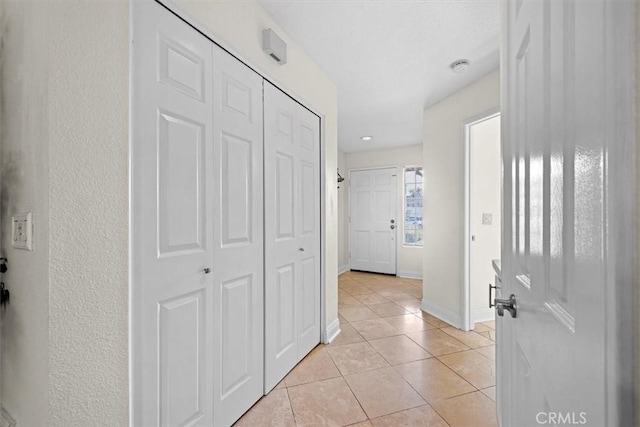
(390, 59)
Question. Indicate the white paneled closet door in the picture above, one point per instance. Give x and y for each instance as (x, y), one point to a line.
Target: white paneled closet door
(197, 227)
(172, 222)
(238, 275)
(292, 233)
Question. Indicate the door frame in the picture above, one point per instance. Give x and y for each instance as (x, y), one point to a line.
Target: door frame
(466, 322)
(349, 210)
(172, 7)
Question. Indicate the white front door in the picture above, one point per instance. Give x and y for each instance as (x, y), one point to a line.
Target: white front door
(566, 213)
(238, 261)
(172, 223)
(372, 220)
(292, 233)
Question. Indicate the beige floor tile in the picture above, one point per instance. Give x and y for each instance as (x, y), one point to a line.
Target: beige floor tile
(481, 327)
(354, 314)
(470, 338)
(432, 320)
(490, 392)
(412, 305)
(399, 349)
(486, 334)
(408, 323)
(280, 385)
(492, 335)
(347, 335)
(372, 298)
(400, 296)
(362, 424)
(375, 328)
(470, 410)
(360, 291)
(433, 380)
(353, 358)
(489, 352)
(388, 309)
(390, 291)
(348, 301)
(477, 370)
(272, 410)
(317, 366)
(416, 293)
(491, 324)
(325, 403)
(422, 416)
(437, 342)
(383, 391)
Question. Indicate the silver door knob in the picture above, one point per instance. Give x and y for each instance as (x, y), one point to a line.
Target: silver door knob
(207, 270)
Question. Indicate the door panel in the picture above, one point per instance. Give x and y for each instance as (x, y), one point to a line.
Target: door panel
(171, 222)
(292, 233)
(182, 359)
(560, 137)
(238, 237)
(372, 195)
(197, 223)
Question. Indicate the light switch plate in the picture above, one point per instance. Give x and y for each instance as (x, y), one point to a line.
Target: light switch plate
(486, 219)
(22, 231)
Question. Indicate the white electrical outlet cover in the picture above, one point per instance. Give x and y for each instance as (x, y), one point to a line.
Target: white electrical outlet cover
(22, 231)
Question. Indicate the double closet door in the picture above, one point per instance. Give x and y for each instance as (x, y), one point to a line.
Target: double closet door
(219, 300)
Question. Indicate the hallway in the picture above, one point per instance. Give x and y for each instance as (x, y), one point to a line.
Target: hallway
(392, 365)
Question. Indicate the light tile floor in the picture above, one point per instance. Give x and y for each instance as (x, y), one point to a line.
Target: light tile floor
(392, 365)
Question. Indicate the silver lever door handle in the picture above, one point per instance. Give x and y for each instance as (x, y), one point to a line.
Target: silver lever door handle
(506, 304)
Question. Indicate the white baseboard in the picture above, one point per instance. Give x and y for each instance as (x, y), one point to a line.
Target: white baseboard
(483, 315)
(410, 274)
(333, 330)
(343, 269)
(5, 419)
(442, 313)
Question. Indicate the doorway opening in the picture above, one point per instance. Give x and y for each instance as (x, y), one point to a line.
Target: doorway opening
(483, 210)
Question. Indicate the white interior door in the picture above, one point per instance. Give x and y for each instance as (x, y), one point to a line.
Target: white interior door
(564, 146)
(238, 260)
(197, 228)
(292, 233)
(372, 220)
(172, 226)
(485, 208)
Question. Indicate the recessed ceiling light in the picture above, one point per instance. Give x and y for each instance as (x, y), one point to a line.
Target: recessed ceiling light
(366, 138)
(459, 66)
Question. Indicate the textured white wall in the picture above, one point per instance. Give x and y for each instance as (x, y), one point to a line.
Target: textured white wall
(65, 157)
(444, 189)
(239, 25)
(409, 258)
(88, 274)
(24, 187)
(343, 229)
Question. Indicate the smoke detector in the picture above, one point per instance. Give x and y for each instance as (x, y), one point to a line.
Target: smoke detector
(459, 66)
